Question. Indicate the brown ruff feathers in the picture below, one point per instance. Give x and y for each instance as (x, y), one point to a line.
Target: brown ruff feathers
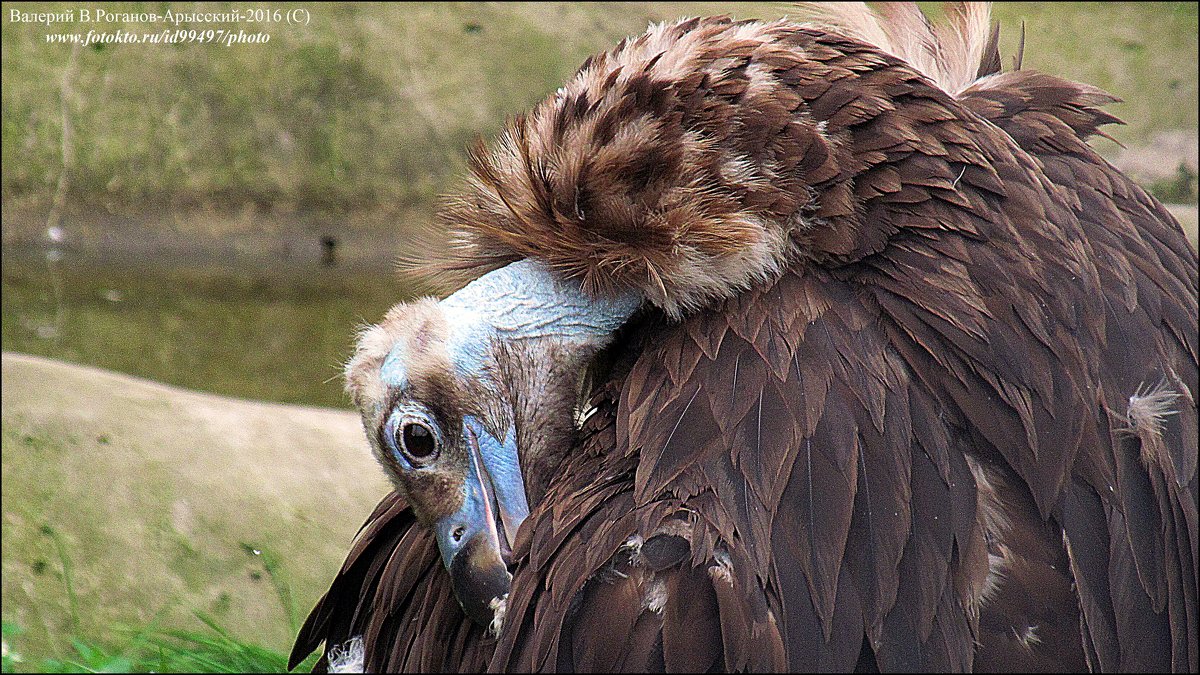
(694, 161)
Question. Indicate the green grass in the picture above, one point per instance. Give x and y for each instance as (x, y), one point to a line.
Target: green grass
(370, 106)
(151, 647)
(94, 540)
(1180, 188)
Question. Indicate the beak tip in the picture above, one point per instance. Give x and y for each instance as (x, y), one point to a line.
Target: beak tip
(479, 580)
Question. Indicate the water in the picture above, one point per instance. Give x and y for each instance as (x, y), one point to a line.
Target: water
(254, 331)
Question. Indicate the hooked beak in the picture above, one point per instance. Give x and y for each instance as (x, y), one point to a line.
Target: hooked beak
(476, 541)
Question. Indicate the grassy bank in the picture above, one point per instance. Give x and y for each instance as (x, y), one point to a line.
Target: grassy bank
(130, 505)
(150, 648)
(369, 105)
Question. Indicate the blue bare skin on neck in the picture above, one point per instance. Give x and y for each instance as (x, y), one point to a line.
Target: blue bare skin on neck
(521, 301)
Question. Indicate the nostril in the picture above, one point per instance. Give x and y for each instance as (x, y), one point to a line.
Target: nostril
(457, 533)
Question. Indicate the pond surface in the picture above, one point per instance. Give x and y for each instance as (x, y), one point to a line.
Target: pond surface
(254, 331)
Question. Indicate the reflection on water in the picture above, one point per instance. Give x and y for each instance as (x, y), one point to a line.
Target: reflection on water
(261, 333)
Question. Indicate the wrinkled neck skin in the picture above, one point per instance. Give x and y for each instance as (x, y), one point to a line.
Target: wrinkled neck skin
(525, 336)
(524, 302)
(539, 384)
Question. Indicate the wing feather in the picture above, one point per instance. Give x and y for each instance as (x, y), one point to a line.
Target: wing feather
(1142, 485)
(393, 578)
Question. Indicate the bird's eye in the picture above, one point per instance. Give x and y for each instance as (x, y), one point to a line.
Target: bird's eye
(417, 442)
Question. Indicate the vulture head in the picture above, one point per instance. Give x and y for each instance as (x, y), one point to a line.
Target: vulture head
(456, 395)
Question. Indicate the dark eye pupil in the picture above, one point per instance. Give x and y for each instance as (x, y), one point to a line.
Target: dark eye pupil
(418, 441)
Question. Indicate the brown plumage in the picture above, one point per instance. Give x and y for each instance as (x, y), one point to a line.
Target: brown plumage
(916, 392)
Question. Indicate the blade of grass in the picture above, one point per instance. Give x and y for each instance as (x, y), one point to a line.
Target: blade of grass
(68, 573)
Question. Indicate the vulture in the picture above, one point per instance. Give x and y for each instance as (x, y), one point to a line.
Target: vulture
(817, 346)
